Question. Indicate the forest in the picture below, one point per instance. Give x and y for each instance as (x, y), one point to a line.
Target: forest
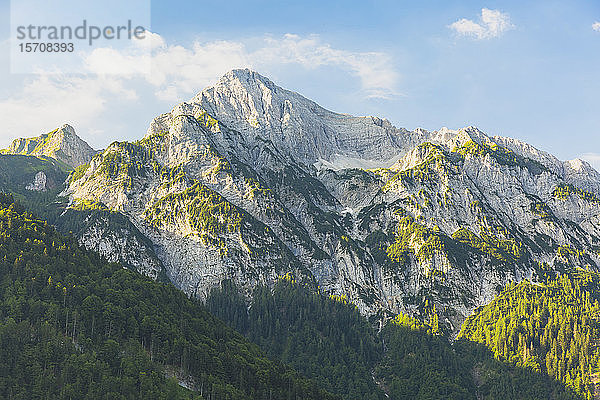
(549, 328)
(328, 340)
(75, 326)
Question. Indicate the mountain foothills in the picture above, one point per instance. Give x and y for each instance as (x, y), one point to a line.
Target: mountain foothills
(343, 246)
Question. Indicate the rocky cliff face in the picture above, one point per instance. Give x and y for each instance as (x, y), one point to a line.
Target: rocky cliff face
(256, 107)
(61, 144)
(249, 181)
(42, 163)
(113, 235)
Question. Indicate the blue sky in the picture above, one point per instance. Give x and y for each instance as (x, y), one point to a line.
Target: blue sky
(529, 71)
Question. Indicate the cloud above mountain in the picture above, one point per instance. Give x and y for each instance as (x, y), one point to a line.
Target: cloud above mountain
(374, 69)
(491, 24)
(176, 69)
(115, 80)
(48, 101)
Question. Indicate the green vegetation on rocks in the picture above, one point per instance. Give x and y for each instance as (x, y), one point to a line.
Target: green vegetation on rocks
(564, 191)
(552, 328)
(504, 250)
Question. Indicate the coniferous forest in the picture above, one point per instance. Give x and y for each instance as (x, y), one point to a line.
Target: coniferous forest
(324, 338)
(549, 328)
(327, 339)
(75, 326)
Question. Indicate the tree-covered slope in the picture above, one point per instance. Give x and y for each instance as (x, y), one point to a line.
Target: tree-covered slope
(325, 338)
(18, 176)
(328, 340)
(419, 365)
(74, 326)
(548, 327)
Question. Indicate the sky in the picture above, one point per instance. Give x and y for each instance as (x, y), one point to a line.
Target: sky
(528, 70)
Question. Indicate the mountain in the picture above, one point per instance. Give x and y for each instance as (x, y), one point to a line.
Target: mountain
(37, 175)
(74, 326)
(250, 103)
(61, 144)
(248, 182)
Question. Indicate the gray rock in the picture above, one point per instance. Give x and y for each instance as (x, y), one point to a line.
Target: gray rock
(249, 181)
(62, 144)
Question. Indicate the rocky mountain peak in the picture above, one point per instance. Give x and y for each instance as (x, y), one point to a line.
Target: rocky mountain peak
(245, 95)
(469, 134)
(246, 77)
(62, 144)
(580, 165)
(66, 130)
(253, 105)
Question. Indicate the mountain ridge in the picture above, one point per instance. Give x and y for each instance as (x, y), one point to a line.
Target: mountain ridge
(61, 144)
(247, 181)
(214, 101)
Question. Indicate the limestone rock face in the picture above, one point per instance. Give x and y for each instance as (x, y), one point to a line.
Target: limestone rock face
(253, 105)
(61, 144)
(39, 182)
(124, 248)
(249, 181)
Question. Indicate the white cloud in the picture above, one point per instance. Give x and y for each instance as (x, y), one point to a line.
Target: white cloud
(374, 69)
(492, 24)
(179, 71)
(175, 70)
(105, 60)
(150, 40)
(117, 85)
(596, 26)
(48, 101)
(169, 94)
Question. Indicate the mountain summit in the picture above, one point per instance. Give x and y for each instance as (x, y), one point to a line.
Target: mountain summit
(62, 144)
(253, 104)
(249, 182)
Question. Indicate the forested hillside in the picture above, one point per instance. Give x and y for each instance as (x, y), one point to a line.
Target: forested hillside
(74, 326)
(423, 366)
(551, 328)
(328, 340)
(18, 172)
(323, 337)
